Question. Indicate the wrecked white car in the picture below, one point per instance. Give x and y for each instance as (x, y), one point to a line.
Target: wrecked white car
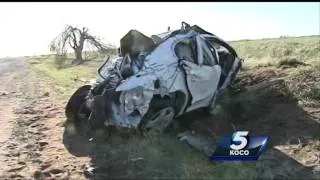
(156, 79)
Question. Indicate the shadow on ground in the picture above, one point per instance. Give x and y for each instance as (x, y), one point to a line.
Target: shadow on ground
(280, 117)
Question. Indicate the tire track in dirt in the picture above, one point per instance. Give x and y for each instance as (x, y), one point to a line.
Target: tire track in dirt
(31, 130)
(8, 72)
(20, 149)
(56, 161)
(7, 76)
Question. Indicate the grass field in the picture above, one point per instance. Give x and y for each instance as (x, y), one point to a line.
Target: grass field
(297, 60)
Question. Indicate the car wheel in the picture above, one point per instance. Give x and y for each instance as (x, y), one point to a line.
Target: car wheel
(76, 111)
(159, 116)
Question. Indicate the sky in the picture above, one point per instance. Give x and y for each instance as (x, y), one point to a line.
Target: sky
(27, 28)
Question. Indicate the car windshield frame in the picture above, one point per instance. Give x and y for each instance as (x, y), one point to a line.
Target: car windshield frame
(108, 65)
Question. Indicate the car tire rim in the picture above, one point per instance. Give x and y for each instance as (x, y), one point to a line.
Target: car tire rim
(160, 120)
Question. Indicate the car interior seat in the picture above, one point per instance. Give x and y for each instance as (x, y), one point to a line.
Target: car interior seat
(226, 61)
(186, 50)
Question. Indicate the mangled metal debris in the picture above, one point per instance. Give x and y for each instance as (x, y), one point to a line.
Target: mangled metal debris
(156, 79)
(201, 143)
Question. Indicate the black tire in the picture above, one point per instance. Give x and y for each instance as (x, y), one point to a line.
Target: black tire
(157, 104)
(75, 104)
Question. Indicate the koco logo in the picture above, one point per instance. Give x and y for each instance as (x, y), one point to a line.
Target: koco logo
(238, 143)
(240, 146)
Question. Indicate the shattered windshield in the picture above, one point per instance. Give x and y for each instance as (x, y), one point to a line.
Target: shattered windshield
(110, 65)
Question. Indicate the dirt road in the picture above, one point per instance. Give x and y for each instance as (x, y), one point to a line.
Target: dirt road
(31, 127)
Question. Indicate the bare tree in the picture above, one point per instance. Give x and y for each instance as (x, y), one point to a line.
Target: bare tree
(75, 38)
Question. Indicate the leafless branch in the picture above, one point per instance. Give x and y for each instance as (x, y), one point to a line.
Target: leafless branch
(76, 39)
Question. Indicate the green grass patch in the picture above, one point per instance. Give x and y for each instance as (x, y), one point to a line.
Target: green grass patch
(304, 49)
(314, 93)
(65, 76)
(64, 81)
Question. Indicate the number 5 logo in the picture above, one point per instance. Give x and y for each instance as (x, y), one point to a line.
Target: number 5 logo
(239, 137)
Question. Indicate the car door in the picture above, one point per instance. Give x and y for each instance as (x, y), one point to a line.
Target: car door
(202, 75)
(228, 60)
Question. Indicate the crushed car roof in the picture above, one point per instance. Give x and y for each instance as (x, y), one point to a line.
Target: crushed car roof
(135, 41)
